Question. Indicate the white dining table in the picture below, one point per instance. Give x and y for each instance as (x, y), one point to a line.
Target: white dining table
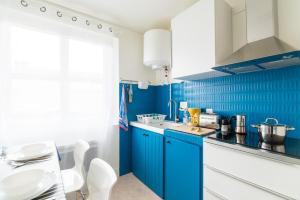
(50, 165)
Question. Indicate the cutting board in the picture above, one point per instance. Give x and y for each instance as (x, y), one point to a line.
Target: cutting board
(193, 130)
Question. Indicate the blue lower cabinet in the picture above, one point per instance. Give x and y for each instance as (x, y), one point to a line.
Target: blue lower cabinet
(155, 162)
(147, 159)
(183, 170)
(138, 154)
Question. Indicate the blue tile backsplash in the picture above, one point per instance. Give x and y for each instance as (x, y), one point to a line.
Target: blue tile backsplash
(273, 93)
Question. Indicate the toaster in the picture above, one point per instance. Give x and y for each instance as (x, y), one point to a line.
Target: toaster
(210, 120)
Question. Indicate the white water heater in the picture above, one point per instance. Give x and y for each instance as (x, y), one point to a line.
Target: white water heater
(157, 48)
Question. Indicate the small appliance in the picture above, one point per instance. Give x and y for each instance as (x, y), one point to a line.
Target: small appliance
(194, 114)
(240, 124)
(210, 120)
(225, 127)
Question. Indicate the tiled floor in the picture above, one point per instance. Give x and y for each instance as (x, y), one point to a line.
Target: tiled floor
(129, 187)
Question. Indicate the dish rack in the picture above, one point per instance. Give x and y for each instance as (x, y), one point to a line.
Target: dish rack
(151, 118)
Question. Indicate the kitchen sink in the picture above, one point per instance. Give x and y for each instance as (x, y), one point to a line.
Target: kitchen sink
(166, 124)
(156, 127)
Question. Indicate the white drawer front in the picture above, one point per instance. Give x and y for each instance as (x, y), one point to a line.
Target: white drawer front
(233, 189)
(279, 177)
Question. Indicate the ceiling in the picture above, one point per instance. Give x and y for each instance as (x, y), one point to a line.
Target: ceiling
(137, 15)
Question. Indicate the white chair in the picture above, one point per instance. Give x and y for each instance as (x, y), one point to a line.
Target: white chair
(73, 179)
(100, 180)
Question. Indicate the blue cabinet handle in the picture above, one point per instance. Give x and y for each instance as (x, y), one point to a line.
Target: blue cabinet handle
(145, 134)
(168, 142)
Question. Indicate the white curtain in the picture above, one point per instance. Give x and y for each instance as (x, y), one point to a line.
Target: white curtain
(57, 82)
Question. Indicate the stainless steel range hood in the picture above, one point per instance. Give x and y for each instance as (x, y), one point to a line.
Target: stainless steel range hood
(263, 50)
(259, 49)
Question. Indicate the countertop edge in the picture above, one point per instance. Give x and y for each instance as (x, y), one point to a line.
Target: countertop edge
(258, 152)
(147, 127)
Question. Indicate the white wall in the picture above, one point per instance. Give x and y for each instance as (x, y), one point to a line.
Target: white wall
(131, 57)
(288, 19)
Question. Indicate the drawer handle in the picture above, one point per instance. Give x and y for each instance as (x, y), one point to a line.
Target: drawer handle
(146, 135)
(168, 142)
(214, 194)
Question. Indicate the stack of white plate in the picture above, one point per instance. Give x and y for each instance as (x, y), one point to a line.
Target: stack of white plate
(26, 185)
(30, 152)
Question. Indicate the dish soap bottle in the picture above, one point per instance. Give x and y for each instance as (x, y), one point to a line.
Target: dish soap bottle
(185, 118)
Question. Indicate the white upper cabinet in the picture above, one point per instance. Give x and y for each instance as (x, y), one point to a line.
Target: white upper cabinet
(201, 37)
(288, 22)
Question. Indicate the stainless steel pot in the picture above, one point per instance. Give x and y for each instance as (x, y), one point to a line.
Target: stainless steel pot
(272, 133)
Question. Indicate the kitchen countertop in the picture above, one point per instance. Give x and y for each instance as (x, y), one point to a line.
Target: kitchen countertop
(250, 143)
(289, 152)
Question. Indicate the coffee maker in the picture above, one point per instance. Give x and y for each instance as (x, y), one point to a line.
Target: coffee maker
(240, 124)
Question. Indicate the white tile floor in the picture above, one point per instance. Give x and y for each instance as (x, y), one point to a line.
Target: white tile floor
(129, 187)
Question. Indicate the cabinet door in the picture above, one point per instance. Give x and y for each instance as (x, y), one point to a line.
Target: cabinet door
(288, 11)
(182, 170)
(138, 154)
(193, 40)
(154, 162)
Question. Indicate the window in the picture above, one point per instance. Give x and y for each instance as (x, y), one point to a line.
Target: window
(52, 83)
(33, 51)
(85, 57)
(36, 89)
(85, 97)
(35, 96)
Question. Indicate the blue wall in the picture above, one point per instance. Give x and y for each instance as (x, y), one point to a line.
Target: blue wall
(274, 93)
(162, 99)
(143, 102)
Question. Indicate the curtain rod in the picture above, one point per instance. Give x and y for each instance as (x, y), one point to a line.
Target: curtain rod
(71, 9)
(69, 15)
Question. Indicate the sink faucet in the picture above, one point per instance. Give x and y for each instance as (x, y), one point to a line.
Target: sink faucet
(175, 108)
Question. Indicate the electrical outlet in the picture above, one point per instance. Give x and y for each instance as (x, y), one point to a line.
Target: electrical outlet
(183, 105)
